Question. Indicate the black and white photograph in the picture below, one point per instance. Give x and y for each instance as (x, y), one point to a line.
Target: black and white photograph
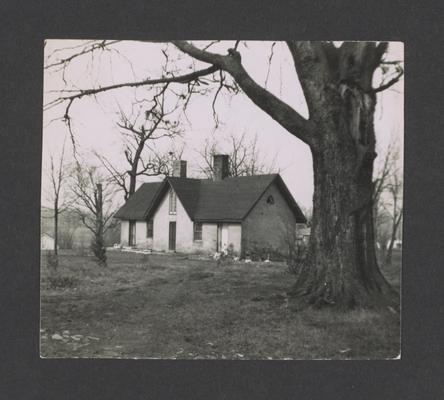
(222, 199)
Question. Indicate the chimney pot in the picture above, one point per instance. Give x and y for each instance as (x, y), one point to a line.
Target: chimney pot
(180, 168)
(220, 166)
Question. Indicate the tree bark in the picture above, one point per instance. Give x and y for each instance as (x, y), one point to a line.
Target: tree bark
(341, 266)
(98, 244)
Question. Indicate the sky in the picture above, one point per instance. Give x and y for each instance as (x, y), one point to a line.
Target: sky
(94, 119)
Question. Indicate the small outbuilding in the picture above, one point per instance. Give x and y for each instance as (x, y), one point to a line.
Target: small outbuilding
(46, 242)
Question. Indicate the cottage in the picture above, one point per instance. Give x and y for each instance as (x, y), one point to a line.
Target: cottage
(238, 214)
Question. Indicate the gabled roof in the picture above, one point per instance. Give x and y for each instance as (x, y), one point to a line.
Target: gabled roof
(138, 204)
(205, 200)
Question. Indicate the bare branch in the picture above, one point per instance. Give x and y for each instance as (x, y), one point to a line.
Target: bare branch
(285, 115)
(176, 79)
(270, 58)
(391, 82)
(87, 50)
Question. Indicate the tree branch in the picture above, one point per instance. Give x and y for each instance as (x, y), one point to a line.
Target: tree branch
(95, 46)
(391, 82)
(87, 92)
(281, 112)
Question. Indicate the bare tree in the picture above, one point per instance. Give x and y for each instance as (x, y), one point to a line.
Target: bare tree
(93, 206)
(244, 157)
(387, 200)
(150, 123)
(395, 191)
(58, 174)
(382, 177)
(337, 81)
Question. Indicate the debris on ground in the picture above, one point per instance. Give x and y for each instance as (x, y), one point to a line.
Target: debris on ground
(56, 336)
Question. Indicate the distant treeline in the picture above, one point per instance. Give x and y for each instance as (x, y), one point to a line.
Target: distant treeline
(72, 233)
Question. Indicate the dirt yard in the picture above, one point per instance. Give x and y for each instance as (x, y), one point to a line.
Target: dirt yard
(165, 306)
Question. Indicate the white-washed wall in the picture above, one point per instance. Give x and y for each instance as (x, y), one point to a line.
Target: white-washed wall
(184, 230)
(209, 237)
(208, 244)
(184, 227)
(234, 237)
(124, 232)
(142, 241)
(161, 221)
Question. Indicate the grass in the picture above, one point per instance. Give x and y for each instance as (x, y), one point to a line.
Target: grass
(172, 306)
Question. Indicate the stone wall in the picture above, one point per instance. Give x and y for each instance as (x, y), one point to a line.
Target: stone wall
(265, 229)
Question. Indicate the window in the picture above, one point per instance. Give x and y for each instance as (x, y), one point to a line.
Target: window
(270, 200)
(149, 229)
(197, 231)
(173, 202)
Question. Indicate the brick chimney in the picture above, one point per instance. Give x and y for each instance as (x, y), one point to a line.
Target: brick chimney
(220, 166)
(180, 168)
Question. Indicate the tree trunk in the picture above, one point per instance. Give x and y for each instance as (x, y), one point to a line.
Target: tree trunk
(132, 184)
(98, 244)
(56, 227)
(341, 266)
(135, 166)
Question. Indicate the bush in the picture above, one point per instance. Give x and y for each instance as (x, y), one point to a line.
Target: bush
(258, 252)
(62, 282)
(66, 238)
(52, 260)
(296, 256)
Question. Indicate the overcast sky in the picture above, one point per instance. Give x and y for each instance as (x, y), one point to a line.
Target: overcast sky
(94, 119)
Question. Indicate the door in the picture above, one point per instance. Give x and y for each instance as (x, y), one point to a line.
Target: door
(132, 233)
(222, 235)
(172, 236)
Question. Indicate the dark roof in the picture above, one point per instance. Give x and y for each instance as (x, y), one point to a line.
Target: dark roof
(139, 203)
(230, 199)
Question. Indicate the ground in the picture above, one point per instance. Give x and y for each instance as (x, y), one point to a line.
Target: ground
(174, 306)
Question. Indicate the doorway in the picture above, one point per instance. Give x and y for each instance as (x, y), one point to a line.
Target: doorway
(222, 237)
(132, 233)
(172, 236)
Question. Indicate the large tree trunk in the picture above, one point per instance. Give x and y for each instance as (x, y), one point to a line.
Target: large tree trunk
(341, 266)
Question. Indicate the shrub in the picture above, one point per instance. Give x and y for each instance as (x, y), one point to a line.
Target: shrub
(296, 256)
(58, 281)
(66, 238)
(52, 260)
